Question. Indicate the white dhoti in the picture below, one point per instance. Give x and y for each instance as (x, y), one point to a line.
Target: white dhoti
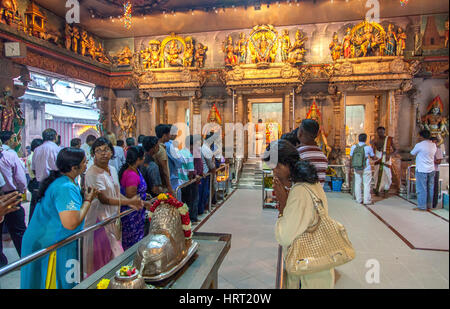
(259, 149)
(383, 181)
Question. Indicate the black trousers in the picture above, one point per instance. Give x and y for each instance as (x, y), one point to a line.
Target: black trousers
(15, 222)
(33, 187)
(436, 189)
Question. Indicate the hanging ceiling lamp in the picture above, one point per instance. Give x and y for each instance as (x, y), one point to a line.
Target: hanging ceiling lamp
(127, 9)
(404, 2)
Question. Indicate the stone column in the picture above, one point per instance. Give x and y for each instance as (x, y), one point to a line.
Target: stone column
(240, 111)
(396, 160)
(339, 131)
(153, 103)
(286, 114)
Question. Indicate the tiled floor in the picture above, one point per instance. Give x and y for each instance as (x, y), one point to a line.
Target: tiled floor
(251, 261)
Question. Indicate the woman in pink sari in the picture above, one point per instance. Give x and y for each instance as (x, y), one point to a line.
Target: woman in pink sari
(104, 244)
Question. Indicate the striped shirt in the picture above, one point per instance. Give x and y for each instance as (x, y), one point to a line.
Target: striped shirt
(316, 157)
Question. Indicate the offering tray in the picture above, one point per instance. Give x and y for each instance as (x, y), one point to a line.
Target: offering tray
(191, 251)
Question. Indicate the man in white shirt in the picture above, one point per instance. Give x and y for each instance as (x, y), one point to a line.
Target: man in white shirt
(359, 158)
(90, 139)
(425, 170)
(44, 157)
(438, 157)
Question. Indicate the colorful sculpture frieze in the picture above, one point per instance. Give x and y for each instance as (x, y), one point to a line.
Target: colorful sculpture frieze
(263, 44)
(173, 51)
(125, 119)
(369, 39)
(11, 116)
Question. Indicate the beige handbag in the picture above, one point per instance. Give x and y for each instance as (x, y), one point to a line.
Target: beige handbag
(324, 245)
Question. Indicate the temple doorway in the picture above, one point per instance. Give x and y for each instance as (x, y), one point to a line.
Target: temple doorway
(267, 115)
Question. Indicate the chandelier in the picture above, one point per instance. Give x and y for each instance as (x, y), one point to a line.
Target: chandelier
(127, 9)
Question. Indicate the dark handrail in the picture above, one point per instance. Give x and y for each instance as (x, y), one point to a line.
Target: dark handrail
(38, 254)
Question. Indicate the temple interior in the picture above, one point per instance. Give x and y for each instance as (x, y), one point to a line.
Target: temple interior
(95, 67)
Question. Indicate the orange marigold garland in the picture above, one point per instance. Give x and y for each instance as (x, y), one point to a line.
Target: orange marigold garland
(180, 206)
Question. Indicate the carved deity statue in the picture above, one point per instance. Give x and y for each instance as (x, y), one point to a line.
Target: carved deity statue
(151, 55)
(433, 121)
(100, 55)
(285, 46)
(92, 48)
(126, 120)
(8, 11)
(75, 38)
(390, 48)
(200, 54)
(12, 118)
(297, 51)
(172, 54)
(366, 41)
(124, 57)
(335, 48)
(84, 42)
(446, 33)
(347, 46)
(241, 48)
(188, 56)
(228, 48)
(401, 41)
(321, 139)
(68, 34)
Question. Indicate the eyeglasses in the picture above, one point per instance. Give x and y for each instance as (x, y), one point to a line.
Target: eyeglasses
(99, 151)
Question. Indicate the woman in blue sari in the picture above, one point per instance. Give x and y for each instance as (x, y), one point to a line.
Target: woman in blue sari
(59, 213)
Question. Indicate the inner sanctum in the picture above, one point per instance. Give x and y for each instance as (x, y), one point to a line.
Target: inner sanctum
(251, 72)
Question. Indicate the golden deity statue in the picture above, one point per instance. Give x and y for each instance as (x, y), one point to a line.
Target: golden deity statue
(126, 120)
(188, 57)
(297, 51)
(91, 47)
(124, 57)
(335, 48)
(151, 55)
(100, 55)
(84, 42)
(241, 48)
(172, 54)
(68, 33)
(228, 48)
(321, 139)
(368, 41)
(285, 46)
(347, 47)
(200, 54)
(401, 41)
(390, 46)
(75, 38)
(8, 11)
(433, 121)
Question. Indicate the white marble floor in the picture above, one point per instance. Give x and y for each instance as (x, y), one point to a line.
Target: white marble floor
(251, 261)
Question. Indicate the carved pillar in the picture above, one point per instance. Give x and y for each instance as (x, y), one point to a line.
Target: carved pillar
(286, 114)
(414, 109)
(376, 116)
(240, 111)
(396, 160)
(153, 103)
(338, 121)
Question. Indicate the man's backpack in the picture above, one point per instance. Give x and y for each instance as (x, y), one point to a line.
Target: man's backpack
(359, 158)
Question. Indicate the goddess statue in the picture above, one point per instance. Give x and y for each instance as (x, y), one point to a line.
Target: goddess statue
(335, 48)
(84, 42)
(126, 120)
(230, 57)
(401, 41)
(367, 42)
(347, 47)
(12, 118)
(68, 33)
(75, 38)
(321, 137)
(91, 47)
(391, 41)
(434, 121)
(297, 51)
(241, 48)
(188, 57)
(100, 55)
(200, 54)
(285, 45)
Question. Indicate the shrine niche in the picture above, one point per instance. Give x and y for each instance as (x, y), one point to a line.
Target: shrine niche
(263, 44)
(125, 119)
(434, 121)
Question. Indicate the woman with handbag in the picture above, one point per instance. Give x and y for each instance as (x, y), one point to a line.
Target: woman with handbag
(298, 189)
(104, 244)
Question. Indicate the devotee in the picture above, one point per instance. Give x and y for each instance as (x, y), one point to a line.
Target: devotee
(194, 145)
(163, 135)
(140, 139)
(75, 142)
(150, 169)
(104, 244)
(175, 160)
(90, 139)
(13, 171)
(308, 149)
(208, 167)
(424, 151)
(291, 137)
(129, 142)
(384, 149)
(9, 202)
(44, 158)
(186, 173)
(360, 155)
(118, 158)
(438, 157)
(132, 183)
(60, 213)
(292, 182)
(58, 142)
(121, 143)
(33, 185)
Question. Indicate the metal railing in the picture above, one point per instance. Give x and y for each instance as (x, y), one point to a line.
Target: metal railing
(78, 236)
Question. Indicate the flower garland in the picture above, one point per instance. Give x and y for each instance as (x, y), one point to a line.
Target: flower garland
(180, 206)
